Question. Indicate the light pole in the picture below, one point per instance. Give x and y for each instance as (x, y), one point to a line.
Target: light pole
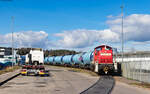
(122, 34)
(12, 30)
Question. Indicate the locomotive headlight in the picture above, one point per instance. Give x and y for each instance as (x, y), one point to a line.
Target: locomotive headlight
(97, 62)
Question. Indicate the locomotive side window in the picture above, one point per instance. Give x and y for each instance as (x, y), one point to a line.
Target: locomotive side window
(98, 49)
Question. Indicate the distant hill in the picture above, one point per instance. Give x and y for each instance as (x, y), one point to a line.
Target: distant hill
(61, 52)
(24, 51)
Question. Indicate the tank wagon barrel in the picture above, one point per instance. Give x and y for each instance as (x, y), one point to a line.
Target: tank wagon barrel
(67, 60)
(87, 58)
(46, 60)
(77, 59)
(50, 59)
(58, 60)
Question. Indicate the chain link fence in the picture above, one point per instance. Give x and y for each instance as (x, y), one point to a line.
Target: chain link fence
(136, 66)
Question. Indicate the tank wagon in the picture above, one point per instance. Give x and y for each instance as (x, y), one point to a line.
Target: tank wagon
(87, 59)
(58, 60)
(50, 60)
(99, 60)
(46, 60)
(67, 60)
(78, 60)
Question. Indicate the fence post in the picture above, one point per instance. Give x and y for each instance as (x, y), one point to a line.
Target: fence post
(140, 67)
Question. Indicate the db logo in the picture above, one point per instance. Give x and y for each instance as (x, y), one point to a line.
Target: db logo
(80, 58)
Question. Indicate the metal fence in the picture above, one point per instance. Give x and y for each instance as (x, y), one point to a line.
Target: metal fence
(136, 67)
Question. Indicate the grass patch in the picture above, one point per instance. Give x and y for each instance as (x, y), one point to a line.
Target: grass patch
(77, 70)
(133, 82)
(83, 71)
(142, 84)
(9, 69)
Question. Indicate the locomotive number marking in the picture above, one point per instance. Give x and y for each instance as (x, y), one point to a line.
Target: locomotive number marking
(106, 54)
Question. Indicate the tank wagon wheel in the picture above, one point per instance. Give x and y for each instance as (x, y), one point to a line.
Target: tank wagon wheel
(92, 67)
(65, 65)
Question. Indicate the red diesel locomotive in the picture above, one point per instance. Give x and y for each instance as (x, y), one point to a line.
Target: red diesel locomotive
(103, 59)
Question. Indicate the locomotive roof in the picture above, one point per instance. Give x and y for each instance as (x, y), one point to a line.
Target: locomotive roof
(103, 46)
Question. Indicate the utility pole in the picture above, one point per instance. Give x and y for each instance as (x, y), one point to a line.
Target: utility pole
(12, 18)
(122, 34)
(12, 30)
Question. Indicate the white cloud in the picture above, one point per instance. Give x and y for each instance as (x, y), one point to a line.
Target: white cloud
(25, 39)
(82, 38)
(110, 16)
(136, 27)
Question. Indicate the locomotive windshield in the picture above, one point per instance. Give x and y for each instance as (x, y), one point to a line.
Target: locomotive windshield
(98, 49)
(107, 48)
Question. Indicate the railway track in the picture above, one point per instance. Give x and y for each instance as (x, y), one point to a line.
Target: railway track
(103, 86)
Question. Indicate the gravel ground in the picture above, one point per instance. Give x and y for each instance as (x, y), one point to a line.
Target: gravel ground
(7, 75)
(123, 86)
(64, 81)
(60, 81)
(133, 82)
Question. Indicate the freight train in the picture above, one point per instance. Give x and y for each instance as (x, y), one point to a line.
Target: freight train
(99, 60)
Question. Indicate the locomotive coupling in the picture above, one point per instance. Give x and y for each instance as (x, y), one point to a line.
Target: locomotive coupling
(106, 70)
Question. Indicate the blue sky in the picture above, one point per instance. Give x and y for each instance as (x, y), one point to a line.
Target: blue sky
(56, 16)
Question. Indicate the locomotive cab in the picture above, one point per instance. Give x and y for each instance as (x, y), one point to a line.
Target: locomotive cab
(103, 59)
